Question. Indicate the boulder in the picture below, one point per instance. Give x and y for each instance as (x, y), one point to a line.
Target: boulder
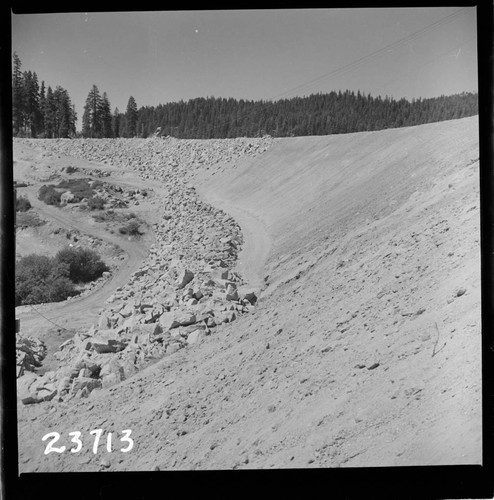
(250, 296)
(104, 322)
(112, 366)
(231, 293)
(184, 277)
(196, 336)
(185, 318)
(148, 329)
(167, 320)
(139, 339)
(126, 311)
(173, 319)
(63, 385)
(173, 347)
(47, 392)
(85, 363)
(109, 380)
(24, 392)
(106, 341)
(84, 383)
(222, 274)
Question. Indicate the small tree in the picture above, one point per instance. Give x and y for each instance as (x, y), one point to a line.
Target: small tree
(84, 265)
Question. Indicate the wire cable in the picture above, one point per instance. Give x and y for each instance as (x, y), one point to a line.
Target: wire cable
(358, 62)
(48, 319)
(347, 67)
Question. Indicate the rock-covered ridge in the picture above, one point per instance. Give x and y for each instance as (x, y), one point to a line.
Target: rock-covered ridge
(183, 289)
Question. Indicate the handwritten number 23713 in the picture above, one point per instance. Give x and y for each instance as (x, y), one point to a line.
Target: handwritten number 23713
(76, 439)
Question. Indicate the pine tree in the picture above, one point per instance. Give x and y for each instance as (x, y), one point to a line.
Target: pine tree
(40, 118)
(31, 103)
(65, 114)
(91, 119)
(115, 123)
(106, 117)
(131, 118)
(17, 96)
(49, 114)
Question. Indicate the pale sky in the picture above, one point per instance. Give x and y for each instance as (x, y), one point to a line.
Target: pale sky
(160, 57)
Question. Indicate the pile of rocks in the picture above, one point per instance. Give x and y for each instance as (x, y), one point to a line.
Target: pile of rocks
(118, 197)
(154, 155)
(184, 288)
(134, 332)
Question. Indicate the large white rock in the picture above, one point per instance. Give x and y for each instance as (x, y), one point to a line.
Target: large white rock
(184, 276)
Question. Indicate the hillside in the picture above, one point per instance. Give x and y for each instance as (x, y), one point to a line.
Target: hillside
(364, 347)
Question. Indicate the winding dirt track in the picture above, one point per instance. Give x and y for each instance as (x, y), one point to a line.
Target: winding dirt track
(82, 311)
(256, 245)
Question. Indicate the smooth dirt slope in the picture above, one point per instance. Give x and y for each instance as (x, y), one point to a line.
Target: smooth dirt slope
(364, 349)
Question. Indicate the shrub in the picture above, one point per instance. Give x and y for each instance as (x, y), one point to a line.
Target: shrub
(95, 203)
(80, 188)
(40, 279)
(28, 219)
(83, 265)
(49, 195)
(131, 228)
(22, 204)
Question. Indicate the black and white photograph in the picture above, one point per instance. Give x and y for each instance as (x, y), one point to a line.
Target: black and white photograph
(247, 239)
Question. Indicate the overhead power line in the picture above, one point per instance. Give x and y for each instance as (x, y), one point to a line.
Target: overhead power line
(364, 59)
(47, 319)
(354, 64)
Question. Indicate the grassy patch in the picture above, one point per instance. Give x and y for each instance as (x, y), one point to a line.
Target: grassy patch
(28, 219)
(22, 204)
(80, 188)
(95, 203)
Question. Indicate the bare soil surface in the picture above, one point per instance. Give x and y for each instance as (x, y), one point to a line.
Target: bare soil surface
(365, 346)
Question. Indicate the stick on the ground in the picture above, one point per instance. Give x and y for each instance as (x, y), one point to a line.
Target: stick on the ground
(434, 352)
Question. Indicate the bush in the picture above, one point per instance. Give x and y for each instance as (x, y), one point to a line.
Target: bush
(131, 228)
(22, 204)
(80, 188)
(83, 265)
(49, 195)
(95, 203)
(28, 219)
(40, 279)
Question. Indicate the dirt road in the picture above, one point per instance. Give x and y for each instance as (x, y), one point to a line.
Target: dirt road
(252, 259)
(79, 311)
